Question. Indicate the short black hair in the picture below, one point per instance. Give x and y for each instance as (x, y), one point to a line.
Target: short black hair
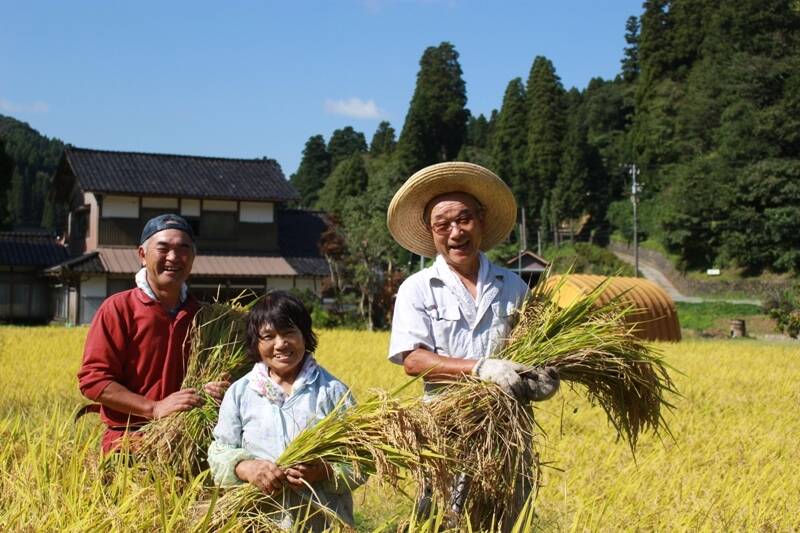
(281, 310)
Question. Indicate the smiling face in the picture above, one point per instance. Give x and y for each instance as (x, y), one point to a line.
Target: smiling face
(456, 225)
(168, 256)
(282, 350)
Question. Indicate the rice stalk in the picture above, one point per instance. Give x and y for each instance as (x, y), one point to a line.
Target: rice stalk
(592, 346)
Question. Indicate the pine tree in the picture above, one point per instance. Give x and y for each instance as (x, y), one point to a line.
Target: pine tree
(509, 141)
(313, 171)
(436, 122)
(344, 143)
(545, 130)
(383, 141)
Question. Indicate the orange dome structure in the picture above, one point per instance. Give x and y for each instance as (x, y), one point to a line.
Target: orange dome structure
(655, 313)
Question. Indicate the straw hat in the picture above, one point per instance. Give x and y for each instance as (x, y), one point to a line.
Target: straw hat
(405, 214)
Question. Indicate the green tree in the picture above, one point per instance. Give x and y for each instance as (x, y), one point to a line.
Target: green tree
(509, 141)
(630, 59)
(348, 179)
(436, 123)
(315, 166)
(345, 143)
(383, 141)
(546, 124)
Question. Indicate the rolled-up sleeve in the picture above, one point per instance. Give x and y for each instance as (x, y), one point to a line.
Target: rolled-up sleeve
(411, 324)
(226, 451)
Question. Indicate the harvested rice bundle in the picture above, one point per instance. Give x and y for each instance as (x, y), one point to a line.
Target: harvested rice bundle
(217, 350)
(591, 345)
(386, 436)
(489, 435)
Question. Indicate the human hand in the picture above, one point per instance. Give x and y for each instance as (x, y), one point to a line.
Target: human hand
(216, 389)
(502, 372)
(262, 474)
(183, 400)
(540, 383)
(300, 475)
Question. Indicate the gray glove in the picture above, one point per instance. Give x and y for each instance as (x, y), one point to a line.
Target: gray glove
(539, 383)
(502, 372)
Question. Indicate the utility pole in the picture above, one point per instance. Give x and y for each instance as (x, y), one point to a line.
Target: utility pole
(523, 241)
(636, 188)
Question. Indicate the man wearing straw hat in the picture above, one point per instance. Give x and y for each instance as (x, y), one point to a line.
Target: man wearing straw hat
(135, 354)
(451, 317)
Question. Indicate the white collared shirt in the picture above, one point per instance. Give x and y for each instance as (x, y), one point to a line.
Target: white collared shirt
(434, 310)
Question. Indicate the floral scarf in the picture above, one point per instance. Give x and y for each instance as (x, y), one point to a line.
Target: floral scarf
(262, 384)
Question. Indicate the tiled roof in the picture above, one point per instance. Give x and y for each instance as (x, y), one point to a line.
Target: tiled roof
(178, 175)
(309, 266)
(126, 261)
(30, 250)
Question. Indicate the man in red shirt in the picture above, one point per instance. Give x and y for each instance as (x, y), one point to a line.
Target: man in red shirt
(136, 350)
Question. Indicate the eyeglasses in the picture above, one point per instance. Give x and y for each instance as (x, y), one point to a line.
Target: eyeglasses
(465, 222)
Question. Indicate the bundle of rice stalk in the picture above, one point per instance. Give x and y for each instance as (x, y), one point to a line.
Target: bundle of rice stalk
(489, 434)
(217, 351)
(385, 436)
(592, 345)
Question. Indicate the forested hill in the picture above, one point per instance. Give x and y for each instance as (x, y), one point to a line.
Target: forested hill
(27, 161)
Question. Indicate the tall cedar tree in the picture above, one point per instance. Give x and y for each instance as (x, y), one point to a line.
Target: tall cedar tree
(383, 141)
(630, 60)
(546, 126)
(349, 179)
(436, 123)
(344, 143)
(509, 141)
(315, 166)
(569, 197)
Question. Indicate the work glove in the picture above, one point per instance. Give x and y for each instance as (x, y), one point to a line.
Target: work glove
(539, 383)
(504, 373)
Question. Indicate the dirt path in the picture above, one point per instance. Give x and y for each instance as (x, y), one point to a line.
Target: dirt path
(652, 273)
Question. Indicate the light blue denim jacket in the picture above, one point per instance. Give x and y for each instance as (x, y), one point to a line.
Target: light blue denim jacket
(257, 420)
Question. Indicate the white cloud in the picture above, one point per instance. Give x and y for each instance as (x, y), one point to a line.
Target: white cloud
(16, 107)
(354, 108)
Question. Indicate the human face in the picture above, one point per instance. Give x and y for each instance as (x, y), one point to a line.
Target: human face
(281, 350)
(456, 225)
(168, 256)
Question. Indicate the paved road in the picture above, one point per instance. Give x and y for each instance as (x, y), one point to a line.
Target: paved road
(651, 272)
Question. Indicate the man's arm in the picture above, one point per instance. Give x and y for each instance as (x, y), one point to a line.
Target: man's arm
(121, 399)
(438, 367)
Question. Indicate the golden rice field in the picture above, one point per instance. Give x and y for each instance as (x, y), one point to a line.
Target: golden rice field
(733, 464)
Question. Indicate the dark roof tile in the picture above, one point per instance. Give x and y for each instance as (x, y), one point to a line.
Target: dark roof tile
(178, 175)
(30, 249)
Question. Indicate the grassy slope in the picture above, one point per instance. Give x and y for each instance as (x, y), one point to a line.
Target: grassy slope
(731, 467)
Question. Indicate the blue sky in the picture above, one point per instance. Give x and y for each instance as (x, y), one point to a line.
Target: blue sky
(253, 79)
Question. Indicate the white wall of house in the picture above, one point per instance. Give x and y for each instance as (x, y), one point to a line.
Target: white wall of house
(93, 292)
(190, 207)
(94, 220)
(309, 284)
(256, 212)
(120, 206)
(280, 283)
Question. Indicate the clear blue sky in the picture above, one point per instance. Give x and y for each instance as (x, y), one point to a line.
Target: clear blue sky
(252, 79)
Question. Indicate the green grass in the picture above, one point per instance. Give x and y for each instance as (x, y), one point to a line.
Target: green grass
(705, 316)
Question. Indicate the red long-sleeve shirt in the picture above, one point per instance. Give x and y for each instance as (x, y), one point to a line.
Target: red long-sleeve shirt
(134, 341)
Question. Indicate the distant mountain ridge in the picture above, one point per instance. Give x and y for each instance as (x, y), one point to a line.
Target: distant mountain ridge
(27, 161)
